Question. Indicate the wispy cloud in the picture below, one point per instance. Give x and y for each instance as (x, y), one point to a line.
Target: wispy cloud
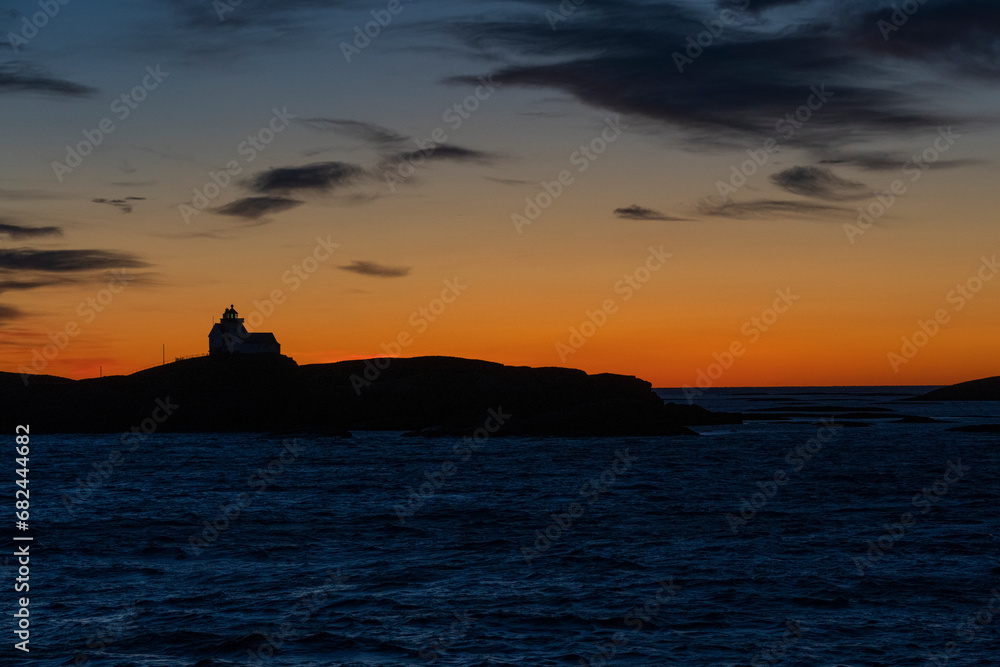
(886, 161)
(133, 184)
(762, 208)
(18, 232)
(508, 181)
(366, 268)
(439, 153)
(445, 152)
(9, 313)
(818, 182)
(621, 57)
(368, 132)
(58, 261)
(760, 6)
(254, 208)
(958, 35)
(16, 77)
(34, 283)
(320, 176)
(229, 17)
(122, 205)
(636, 212)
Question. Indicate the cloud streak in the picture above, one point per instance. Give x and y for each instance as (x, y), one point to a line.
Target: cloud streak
(225, 18)
(254, 208)
(20, 78)
(122, 205)
(885, 161)
(19, 232)
(319, 176)
(322, 177)
(34, 283)
(764, 208)
(367, 132)
(9, 313)
(818, 182)
(366, 268)
(62, 261)
(402, 162)
(636, 212)
(444, 152)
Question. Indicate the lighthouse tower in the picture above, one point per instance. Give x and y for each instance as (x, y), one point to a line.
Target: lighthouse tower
(228, 333)
(229, 336)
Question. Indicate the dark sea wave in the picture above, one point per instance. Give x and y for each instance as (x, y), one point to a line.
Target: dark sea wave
(199, 550)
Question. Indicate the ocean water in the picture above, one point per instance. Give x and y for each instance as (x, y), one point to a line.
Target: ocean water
(856, 546)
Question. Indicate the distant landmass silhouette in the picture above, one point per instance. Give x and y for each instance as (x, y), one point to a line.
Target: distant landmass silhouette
(986, 389)
(429, 396)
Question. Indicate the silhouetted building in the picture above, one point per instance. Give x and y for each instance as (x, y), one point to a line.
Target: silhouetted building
(229, 336)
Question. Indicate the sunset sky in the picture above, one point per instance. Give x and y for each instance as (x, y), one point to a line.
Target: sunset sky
(567, 150)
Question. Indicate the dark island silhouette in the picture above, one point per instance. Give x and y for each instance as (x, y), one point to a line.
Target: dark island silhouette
(986, 389)
(430, 396)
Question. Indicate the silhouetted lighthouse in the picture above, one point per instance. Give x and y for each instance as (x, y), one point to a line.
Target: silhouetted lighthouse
(229, 336)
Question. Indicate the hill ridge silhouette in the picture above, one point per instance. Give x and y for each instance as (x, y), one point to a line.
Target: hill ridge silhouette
(432, 396)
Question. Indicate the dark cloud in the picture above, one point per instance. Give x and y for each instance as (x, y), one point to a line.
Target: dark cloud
(764, 208)
(254, 208)
(444, 152)
(122, 205)
(438, 153)
(959, 34)
(60, 261)
(8, 313)
(18, 232)
(818, 182)
(508, 181)
(214, 235)
(19, 78)
(34, 283)
(636, 212)
(332, 175)
(622, 57)
(319, 176)
(250, 14)
(880, 161)
(365, 268)
(759, 6)
(885, 161)
(368, 132)
(206, 33)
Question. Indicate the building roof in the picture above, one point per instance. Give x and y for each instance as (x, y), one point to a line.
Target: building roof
(260, 338)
